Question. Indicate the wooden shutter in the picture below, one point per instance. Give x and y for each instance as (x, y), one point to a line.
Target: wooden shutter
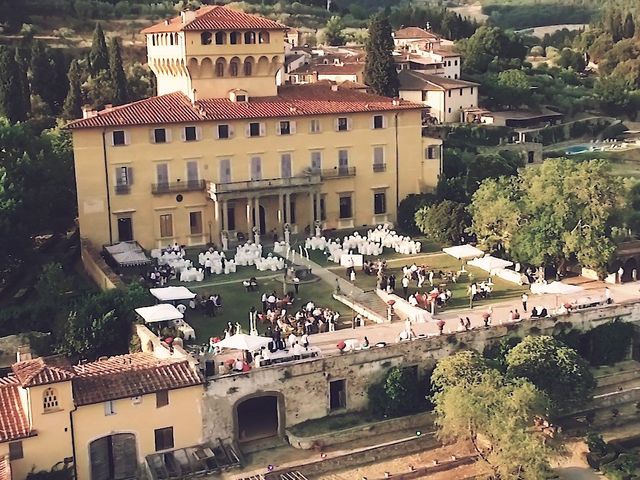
(348, 124)
(230, 131)
(152, 137)
(99, 457)
(292, 127)
(263, 129)
(183, 133)
(247, 130)
(278, 128)
(167, 135)
(125, 459)
(198, 133)
(130, 175)
(111, 142)
(127, 138)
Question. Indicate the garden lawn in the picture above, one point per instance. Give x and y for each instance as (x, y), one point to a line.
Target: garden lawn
(460, 299)
(237, 301)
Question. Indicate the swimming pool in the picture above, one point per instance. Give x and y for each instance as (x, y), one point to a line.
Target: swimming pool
(578, 149)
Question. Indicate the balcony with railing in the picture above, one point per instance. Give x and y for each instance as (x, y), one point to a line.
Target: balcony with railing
(337, 172)
(267, 183)
(176, 187)
(379, 167)
(123, 189)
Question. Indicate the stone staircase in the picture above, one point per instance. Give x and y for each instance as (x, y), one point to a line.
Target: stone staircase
(367, 304)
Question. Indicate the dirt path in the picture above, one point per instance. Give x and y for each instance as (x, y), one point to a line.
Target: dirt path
(574, 466)
(472, 11)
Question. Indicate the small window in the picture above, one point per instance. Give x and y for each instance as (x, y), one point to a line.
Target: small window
(254, 129)
(471, 90)
(343, 124)
(316, 161)
(314, 125)
(345, 207)
(337, 394)
(15, 451)
(247, 69)
(195, 223)
(190, 134)
(378, 159)
(379, 203)
(455, 62)
(430, 153)
(378, 121)
(449, 109)
(159, 135)
(164, 438)
(263, 37)
(241, 98)
(166, 225)
(285, 165)
(50, 400)
(460, 92)
(249, 37)
(284, 127)
(220, 68)
(223, 131)
(221, 38)
(119, 138)
(109, 407)
(162, 397)
(205, 38)
(449, 93)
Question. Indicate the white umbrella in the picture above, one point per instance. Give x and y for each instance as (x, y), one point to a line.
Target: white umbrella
(170, 294)
(159, 313)
(490, 263)
(242, 341)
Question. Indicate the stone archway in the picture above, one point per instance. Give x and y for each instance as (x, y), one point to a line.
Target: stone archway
(259, 416)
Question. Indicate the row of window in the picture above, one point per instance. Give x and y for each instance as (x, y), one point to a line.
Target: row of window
(234, 38)
(461, 89)
(50, 401)
(223, 131)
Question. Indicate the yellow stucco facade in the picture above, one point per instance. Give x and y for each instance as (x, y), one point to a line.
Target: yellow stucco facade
(347, 164)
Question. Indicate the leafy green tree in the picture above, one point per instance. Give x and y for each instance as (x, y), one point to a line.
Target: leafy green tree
(571, 59)
(380, 69)
(12, 94)
(629, 27)
(333, 34)
(613, 94)
(490, 44)
(408, 208)
(554, 368)
(119, 79)
(459, 370)
(444, 222)
(491, 165)
(514, 87)
(99, 55)
(397, 394)
(497, 418)
(141, 81)
(72, 108)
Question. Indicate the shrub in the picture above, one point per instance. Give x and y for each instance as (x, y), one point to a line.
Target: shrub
(608, 344)
(399, 393)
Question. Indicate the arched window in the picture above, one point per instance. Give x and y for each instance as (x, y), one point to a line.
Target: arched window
(50, 400)
(263, 37)
(171, 39)
(233, 68)
(234, 38)
(205, 38)
(220, 68)
(247, 68)
(153, 40)
(249, 37)
(177, 38)
(221, 38)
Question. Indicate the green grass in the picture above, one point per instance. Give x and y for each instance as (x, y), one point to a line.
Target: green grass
(237, 301)
(623, 163)
(502, 290)
(332, 423)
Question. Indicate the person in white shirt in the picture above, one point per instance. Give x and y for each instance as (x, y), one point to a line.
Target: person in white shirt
(257, 359)
(413, 301)
(181, 308)
(405, 286)
(304, 340)
(238, 365)
(292, 339)
(525, 298)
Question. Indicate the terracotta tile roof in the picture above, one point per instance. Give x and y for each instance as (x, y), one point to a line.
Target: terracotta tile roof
(129, 376)
(331, 69)
(14, 424)
(292, 101)
(42, 371)
(5, 468)
(215, 17)
(414, 32)
(416, 80)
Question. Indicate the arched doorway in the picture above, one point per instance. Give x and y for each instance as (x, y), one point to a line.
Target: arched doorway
(258, 417)
(630, 266)
(113, 456)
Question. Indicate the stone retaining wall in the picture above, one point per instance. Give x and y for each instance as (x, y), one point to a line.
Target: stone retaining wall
(97, 268)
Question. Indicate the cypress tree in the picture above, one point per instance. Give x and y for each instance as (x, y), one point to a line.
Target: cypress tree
(119, 79)
(12, 103)
(73, 103)
(380, 70)
(616, 27)
(98, 56)
(25, 91)
(629, 28)
(41, 72)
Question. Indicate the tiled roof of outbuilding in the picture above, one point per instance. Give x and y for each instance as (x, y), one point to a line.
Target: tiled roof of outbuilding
(215, 17)
(292, 101)
(41, 371)
(14, 424)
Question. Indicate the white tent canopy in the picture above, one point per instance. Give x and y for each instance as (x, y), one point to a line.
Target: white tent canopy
(490, 263)
(462, 252)
(170, 294)
(242, 341)
(557, 288)
(162, 312)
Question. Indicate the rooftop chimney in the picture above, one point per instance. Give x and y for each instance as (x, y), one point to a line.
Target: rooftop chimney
(23, 353)
(187, 16)
(167, 21)
(88, 112)
(334, 88)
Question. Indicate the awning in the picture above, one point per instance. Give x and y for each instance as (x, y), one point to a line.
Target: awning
(242, 341)
(490, 263)
(162, 312)
(170, 294)
(462, 252)
(127, 254)
(557, 288)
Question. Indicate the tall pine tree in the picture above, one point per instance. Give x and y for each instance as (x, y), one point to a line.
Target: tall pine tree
(73, 103)
(99, 55)
(616, 26)
(12, 102)
(629, 27)
(118, 77)
(380, 69)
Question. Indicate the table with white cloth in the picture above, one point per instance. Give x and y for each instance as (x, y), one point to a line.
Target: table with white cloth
(186, 329)
(511, 276)
(282, 356)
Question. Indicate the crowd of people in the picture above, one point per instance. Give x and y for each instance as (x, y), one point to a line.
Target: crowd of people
(158, 276)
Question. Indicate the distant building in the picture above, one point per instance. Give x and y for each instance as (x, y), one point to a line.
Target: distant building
(446, 97)
(419, 49)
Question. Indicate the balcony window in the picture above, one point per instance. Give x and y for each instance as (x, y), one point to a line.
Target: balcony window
(316, 161)
(378, 159)
(235, 38)
(256, 168)
(225, 170)
(343, 162)
(379, 203)
(345, 207)
(233, 69)
(166, 225)
(205, 38)
(190, 134)
(193, 179)
(285, 165)
(159, 135)
(124, 177)
(249, 37)
(220, 68)
(119, 137)
(263, 37)
(221, 38)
